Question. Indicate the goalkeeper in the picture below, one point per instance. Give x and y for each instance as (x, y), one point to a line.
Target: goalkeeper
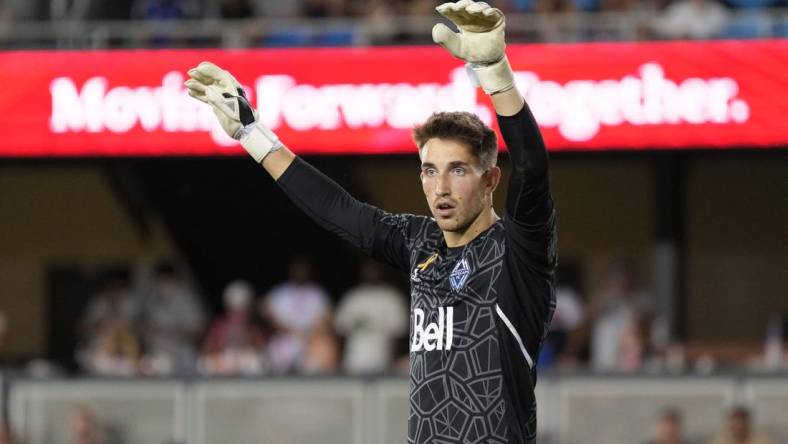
(481, 286)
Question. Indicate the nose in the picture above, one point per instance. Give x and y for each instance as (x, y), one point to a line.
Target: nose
(442, 185)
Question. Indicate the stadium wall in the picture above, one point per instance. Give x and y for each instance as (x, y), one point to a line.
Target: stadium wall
(737, 247)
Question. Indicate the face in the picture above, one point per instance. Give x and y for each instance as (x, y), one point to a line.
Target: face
(300, 271)
(455, 184)
(740, 426)
(669, 430)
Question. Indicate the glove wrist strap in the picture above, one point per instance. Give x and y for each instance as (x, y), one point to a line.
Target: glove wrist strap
(258, 140)
(493, 78)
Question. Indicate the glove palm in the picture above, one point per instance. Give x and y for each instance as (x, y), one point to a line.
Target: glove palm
(479, 42)
(219, 89)
(481, 36)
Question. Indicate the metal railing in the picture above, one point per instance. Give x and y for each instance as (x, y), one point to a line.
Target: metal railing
(566, 27)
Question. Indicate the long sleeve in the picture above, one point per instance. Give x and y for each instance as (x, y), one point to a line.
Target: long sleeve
(383, 235)
(530, 212)
(527, 294)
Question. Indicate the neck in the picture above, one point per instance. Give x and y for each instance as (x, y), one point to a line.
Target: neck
(483, 221)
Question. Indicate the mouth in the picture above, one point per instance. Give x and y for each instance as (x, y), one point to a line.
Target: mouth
(444, 209)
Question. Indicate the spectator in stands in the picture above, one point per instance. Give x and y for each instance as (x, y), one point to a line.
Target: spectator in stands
(554, 6)
(165, 10)
(421, 7)
(234, 342)
(321, 353)
(236, 9)
(109, 346)
(325, 8)
(162, 13)
(691, 19)
(115, 351)
(669, 428)
(84, 428)
(739, 429)
(567, 319)
(113, 303)
(633, 344)
(370, 316)
(172, 319)
(377, 14)
(295, 309)
(617, 314)
(6, 434)
(277, 8)
(555, 21)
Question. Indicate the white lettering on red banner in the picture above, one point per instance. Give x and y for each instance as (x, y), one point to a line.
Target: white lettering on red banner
(654, 96)
(578, 108)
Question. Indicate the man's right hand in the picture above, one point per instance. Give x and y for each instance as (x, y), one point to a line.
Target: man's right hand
(219, 89)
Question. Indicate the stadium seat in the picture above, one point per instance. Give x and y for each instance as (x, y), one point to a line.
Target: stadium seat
(747, 4)
(586, 5)
(780, 28)
(334, 37)
(523, 5)
(749, 26)
(290, 38)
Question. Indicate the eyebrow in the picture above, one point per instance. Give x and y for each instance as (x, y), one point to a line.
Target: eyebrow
(454, 164)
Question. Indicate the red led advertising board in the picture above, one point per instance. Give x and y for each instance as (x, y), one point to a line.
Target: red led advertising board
(610, 96)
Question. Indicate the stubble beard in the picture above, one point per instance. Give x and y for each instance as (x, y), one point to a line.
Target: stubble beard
(463, 219)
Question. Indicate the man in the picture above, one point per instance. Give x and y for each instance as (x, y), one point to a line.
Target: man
(172, 319)
(370, 316)
(739, 429)
(669, 428)
(481, 287)
(620, 316)
(297, 310)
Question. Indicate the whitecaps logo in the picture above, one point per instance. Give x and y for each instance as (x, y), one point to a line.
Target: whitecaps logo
(460, 274)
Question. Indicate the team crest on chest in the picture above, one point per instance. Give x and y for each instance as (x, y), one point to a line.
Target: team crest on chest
(460, 274)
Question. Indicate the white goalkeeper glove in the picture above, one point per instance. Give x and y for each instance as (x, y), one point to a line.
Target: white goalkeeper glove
(218, 88)
(479, 42)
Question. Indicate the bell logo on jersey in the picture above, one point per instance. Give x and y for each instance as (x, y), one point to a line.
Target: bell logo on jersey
(431, 337)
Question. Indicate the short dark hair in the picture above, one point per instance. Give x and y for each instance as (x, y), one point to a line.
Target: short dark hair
(463, 127)
(671, 414)
(740, 411)
(166, 269)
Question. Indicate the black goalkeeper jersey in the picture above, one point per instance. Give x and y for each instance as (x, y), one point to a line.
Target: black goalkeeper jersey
(480, 312)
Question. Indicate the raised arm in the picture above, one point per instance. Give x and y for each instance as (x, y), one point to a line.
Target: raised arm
(480, 43)
(528, 200)
(382, 235)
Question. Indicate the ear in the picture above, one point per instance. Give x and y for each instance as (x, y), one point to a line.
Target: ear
(493, 178)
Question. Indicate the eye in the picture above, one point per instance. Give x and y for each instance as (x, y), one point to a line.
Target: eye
(430, 172)
(459, 171)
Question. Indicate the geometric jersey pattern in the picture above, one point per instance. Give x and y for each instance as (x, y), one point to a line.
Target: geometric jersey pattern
(455, 394)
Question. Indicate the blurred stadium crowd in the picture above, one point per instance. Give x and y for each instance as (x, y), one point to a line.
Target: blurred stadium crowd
(154, 322)
(162, 328)
(308, 22)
